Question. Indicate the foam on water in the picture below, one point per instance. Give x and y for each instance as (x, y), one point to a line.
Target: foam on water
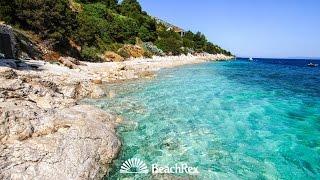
(230, 119)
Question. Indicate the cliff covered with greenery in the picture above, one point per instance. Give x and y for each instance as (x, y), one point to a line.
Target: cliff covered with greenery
(98, 26)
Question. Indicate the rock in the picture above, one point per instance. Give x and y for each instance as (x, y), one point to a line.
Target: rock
(149, 46)
(8, 73)
(13, 88)
(110, 56)
(131, 51)
(68, 62)
(119, 119)
(15, 121)
(123, 68)
(8, 43)
(97, 92)
(27, 49)
(97, 81)
(49, 84)
(130, 74)
(45, 102)
(146, 74)
(72, 60)
(73, 143)
(69, 91)
(51, 56)
(112, 94)
(45, 135)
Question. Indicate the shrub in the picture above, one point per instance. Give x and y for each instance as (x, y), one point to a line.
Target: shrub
(90, 54)
(170, 42)
(51, 19)
(149, 46)
(93, 28)
(122, 52)
(147, 54)
(114, 47)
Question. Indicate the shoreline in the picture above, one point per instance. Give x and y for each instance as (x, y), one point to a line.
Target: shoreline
(44, 131)
(138, 67)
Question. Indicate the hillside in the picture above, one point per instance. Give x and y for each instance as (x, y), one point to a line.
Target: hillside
(98, 30)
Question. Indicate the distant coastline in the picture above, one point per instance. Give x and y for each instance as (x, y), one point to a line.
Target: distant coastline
(293, 58)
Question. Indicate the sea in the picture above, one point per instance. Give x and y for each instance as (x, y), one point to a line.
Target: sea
(237, 119)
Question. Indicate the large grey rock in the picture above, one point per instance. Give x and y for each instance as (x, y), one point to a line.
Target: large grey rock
(8, 42)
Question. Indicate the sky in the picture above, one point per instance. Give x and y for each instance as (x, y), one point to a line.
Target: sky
(248, 28)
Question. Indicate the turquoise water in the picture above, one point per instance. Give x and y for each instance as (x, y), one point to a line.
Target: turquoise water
(231, 120)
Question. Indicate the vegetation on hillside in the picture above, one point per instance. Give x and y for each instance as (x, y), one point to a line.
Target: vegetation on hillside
(98, 26)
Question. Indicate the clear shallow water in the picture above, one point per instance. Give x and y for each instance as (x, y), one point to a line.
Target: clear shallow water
(248, 120)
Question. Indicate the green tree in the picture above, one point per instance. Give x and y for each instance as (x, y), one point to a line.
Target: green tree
(99, 25)
(188, 40)
(7, 10)
(147, 33)
(112, 4)
(212, 49)
(124, 29)
(170, 42)
(130, 8)
(93, 27)
(200, 42)
(50, 19)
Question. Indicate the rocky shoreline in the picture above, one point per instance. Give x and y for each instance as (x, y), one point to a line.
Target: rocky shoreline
(46, 134)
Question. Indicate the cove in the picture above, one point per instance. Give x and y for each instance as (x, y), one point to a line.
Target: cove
(252, 120)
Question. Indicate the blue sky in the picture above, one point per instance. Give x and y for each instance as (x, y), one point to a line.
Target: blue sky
(257, 28)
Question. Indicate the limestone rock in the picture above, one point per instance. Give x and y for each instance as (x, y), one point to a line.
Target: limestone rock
(68, 62)
(45, 102)
(51, 56)
(97, 81)
(71, 60)
(97, 92)
(7, 73)
(45, 135)
(110, 56)
(146, 74)
(74, 143)
(131, 51)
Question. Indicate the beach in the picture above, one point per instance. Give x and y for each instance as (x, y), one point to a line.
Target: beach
(45, 132)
